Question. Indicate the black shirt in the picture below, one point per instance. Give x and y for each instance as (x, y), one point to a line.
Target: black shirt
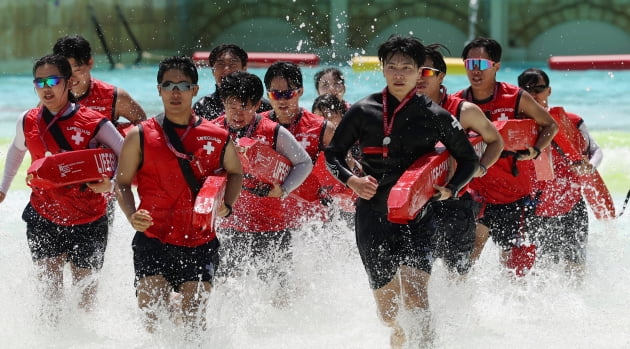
(417, 128)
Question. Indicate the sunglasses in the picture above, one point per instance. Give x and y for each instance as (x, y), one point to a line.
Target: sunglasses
(478, 63)
(181, 86)
(535, 88)
(286, 94)
(426, 72)
(50, 81)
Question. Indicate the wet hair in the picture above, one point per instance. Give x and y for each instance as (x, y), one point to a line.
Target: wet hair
(337, 74)
(74, 46)
(329, 101)
(492, 47)
(244, 86)
(218, 51)
(530, 77)
(409, 46)
(181, 63)
(58, 61)
(433, 52)
(286, 70)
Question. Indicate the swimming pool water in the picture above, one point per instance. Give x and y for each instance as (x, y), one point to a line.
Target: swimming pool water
(595, 95)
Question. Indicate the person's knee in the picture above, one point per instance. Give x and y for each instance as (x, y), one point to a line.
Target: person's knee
(152, 289)
(414, 284)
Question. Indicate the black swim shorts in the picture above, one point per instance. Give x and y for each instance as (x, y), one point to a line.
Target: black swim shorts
(384, 246)
(508, 222)
(83, 244)
(454, 237)
(177, 264)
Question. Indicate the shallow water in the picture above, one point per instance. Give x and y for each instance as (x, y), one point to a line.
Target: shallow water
(332, 306)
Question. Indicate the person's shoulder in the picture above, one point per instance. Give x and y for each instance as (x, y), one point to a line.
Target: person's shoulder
(219, 121)
(470, 108)
(150, 121)
(367, 102)
(309, 114)
(102, 84)
(506, 86)
(265, 119)
(212, 126)
(424, 100)
(461, 93)
(267, 114)
(204, 99)
(455, 98)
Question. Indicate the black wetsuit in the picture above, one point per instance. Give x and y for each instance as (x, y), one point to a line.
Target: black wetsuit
(211, 106)
(417, 127)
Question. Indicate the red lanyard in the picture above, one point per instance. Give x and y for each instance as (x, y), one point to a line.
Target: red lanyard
(54, 119)
(171, 147)
(387, 124)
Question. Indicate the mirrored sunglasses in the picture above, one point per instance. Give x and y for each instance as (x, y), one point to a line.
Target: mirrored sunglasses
(50, 81)
(181, 86)
(535, 88)
(478, 63)
(286, 94)
(426, 72)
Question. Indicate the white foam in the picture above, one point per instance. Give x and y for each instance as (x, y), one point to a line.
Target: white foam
(333, 306)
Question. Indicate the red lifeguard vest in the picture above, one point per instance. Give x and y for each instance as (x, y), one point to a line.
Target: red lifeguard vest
(162, 187)
(67, 205)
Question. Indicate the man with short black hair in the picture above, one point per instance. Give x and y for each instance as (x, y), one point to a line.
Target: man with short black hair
(259, 233)
(508, 187)
(394, 128)
(170, 155)
(224, 59)
(109, 100)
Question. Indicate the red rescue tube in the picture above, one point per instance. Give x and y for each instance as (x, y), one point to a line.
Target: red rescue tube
(604, 62)
(568, 138)
(264, 59)
(268, 166)
(208, 201)
(415, 187)
(520, 134)
(597, 195)
(72, 167)
(262, 162)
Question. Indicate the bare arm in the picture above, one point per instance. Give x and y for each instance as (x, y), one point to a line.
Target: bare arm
(472, 118)
(128, 108)
(128, 162)
(548, 126)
